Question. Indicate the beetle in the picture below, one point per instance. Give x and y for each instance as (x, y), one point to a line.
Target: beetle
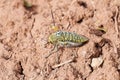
(65, 39)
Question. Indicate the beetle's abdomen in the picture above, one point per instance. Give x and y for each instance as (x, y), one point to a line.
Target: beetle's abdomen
(71, 37)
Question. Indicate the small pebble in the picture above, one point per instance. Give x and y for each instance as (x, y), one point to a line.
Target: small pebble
(96, 62)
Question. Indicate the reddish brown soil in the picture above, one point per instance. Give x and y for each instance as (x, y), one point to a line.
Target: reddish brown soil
(24, 34)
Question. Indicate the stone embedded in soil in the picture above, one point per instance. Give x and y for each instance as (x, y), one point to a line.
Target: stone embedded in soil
(96, 62)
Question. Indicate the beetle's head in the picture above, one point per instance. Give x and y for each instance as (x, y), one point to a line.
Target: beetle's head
(55, 37)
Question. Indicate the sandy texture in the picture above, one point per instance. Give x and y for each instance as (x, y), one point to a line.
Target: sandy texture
(24, 34)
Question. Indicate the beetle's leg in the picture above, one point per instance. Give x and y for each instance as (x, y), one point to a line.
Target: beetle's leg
(55, 49)
(57, 55)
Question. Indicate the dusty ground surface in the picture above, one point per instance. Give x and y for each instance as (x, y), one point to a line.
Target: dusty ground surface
(24, 34)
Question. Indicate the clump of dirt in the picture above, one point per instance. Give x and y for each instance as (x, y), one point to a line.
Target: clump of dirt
(26, 26)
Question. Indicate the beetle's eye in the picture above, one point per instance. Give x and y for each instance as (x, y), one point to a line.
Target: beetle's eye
(58, 33)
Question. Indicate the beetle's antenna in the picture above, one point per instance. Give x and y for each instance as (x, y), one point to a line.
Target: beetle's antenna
(54, 27)
(53, 18)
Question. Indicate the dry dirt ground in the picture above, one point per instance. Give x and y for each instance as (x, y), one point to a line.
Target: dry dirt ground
(24, 33)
